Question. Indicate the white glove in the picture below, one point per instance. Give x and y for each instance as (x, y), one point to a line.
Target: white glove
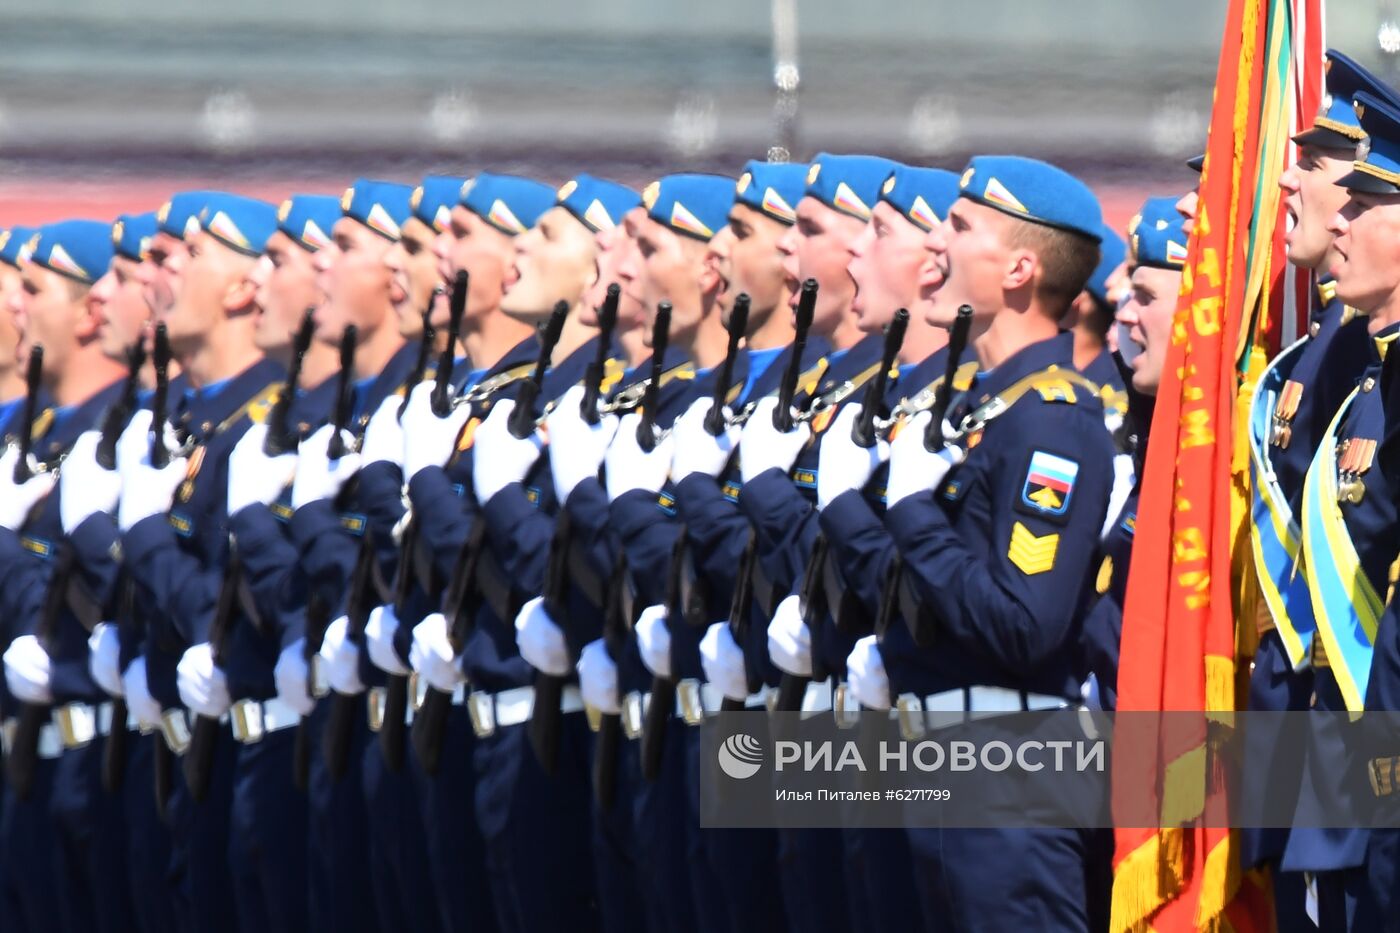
(318, 476)
(865, 674)
(384, 438)
(138, 693)
(541, 640)
(631, 468)
(597, 678)
(340, 659)
(18, 500)
(428, 439)
(654, 640)
(146, 491)
(85, 488)
(254, 478)
(291, 676)
(27, 670)
(203, 687)
(789, 642)
(499, 458)
(432, 655)
(697, 450)
(843, 464)
(913, 469)
(578, 446)
(1124, 478)
(763, 447)
(104, 658)
(135, 441)
(380, 629)
(723, 661)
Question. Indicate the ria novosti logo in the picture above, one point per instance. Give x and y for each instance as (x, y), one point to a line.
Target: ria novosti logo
(741, 756)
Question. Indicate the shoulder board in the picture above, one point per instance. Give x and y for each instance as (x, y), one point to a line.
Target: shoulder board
(614, 368)
(808, 381)
(42, 422)
(256, 408)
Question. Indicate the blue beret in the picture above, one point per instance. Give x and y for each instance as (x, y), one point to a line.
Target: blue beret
(509, 203)
(1158, 235)
(1336, 125)
(848, 183)
(382, 206)
(599, 204)
(242, 224)
(132, 233)
(307, 219)
(1112, 251)
(922, 195)
(79, 249)
(433, 200)
(691, 204)
(773, 188)
(1033, 190)
(180, 215)
(14, 246)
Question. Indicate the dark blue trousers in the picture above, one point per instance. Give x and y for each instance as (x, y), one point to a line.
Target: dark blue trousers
(664, 838)
(617, 872)
(267, 833)
(199, 848)
(27, 845)
(90, 837)
(340, 892)
(147, 852)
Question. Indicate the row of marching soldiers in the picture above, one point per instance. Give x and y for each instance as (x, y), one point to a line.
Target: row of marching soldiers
(369, 562)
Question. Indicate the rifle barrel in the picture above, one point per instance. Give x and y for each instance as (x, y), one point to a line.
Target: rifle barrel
(738, 325)
(806, 309)
(660, 337)
(957, 343)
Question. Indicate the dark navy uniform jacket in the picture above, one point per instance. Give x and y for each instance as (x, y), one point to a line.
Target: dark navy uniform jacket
(31, 555)
(177, 559)
(1006, 571)
(328, 533)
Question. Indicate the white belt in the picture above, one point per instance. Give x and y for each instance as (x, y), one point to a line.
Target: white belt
(50, 745)
(418, 688)
(251, 719)
(512, 707)
(990, 700)
(817, 699)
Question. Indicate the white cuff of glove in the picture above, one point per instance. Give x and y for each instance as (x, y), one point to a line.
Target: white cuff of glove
(104, 658)
(723, 661)
(541, 640)
(340, 659)
(844, 465)
(629, 467)
(914, 468)
(203, 687)
(597, 678)
(585, 444)
(865, 674)
(384, 436)
(500, 458)
(654, 640)
(380, 629)
(292, 675)
(432, 655)
(86, 487)
(789, 642)
(138, 694)
(763, 447)
(27, 670)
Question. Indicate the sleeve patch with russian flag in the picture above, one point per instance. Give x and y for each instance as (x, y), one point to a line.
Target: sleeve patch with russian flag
(1049, 485)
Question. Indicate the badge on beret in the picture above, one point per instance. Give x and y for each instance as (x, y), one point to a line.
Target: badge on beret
(813, 172)
(347, 199)
(888, 186)
(416, 198)
(117, 229)
(650, 194)
(568, 188)
(744, 181)
(966, 177)
(284, 211)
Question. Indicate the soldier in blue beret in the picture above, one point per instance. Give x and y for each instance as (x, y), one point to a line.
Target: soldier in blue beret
(174, 522)
(124, 314)
(1003, 594)
(418, 287)
(11, 373)
(59, 802)
(1348, 514)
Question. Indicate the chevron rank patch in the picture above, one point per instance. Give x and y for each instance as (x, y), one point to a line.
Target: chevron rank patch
(1032, 553)
(1049, 485)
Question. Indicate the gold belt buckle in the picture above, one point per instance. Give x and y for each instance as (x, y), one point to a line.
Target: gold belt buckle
(692, 707)
(912, 726)
(595, 717)
(1381, 771)
(246, 718)
(632, 715)
(176, 729)
(8, 728)
(320, 685)
(481, 707)
(76, 724)
(417, 691)
(374, 708)
(844, 718)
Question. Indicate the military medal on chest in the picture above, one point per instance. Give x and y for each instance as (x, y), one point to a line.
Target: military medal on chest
(1354, 456)
(1285, 409)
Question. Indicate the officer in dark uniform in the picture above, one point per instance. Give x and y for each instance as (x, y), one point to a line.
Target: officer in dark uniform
(1000, 548)
(46, 548)
(1348, 518)
(174, 522)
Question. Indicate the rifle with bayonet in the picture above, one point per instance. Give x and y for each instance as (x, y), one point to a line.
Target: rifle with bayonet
(393, 724)
(160, 400)
(896, 595)
(547, 717)
(32, 378)
(464, 591)
(281, 438)
(116, 417)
